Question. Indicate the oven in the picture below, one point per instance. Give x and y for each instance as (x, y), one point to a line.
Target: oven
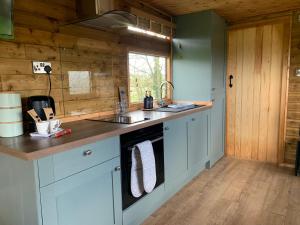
(128, 141)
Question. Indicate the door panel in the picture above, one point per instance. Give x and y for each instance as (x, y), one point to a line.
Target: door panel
(92, 197)
(255, 59)
(198, 141)
(217, 130)
(175, 150)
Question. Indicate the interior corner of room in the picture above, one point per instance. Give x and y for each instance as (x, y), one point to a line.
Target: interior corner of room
(128, 112)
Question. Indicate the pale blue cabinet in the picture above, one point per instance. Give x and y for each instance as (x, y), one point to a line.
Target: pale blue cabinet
(176, 156)
(217, 130)
(199, 65)
(59, 166)
(187, 143)
(91, 197)
(198, 56)
(198, 141)
(218, 90)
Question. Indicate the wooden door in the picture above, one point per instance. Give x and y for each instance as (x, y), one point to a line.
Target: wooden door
(257, 60)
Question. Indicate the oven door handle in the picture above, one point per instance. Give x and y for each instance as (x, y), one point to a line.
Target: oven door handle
(153, 141)
(157, 139)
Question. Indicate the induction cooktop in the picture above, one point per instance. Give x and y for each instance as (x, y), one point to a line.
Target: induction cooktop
(120, 119)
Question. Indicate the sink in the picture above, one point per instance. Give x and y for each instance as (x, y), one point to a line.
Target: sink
(177, 108)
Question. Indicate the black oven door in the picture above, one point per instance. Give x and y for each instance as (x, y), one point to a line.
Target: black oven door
(127, 143)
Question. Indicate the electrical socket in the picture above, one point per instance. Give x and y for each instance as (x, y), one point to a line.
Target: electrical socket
(38, 67)
(298, 72)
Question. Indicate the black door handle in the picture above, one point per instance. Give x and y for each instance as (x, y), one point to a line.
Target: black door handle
(230, 81)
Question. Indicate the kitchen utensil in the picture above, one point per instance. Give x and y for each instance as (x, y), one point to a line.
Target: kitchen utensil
(34, 115)
(63, 132)
(49, 113)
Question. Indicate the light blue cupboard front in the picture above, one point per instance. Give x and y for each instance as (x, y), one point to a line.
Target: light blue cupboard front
(86, 192)
(199, 65)
(176, 156)
(91, 197)
(217, 130)
(198, 140)
(82, 186)
(59, 166)
(186, 149)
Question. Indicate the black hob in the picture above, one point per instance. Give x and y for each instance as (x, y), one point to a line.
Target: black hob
(120, 119)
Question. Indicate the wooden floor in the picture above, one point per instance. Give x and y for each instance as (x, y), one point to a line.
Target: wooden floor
(235, 192)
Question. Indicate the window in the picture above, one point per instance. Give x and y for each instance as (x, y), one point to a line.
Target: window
(146, 73)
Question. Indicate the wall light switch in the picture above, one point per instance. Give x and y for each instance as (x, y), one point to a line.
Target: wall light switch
(38, 67)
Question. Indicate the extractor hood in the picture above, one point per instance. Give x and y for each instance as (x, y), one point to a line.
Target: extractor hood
(104, 14)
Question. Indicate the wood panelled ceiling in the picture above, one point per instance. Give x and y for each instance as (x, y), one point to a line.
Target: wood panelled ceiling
(231, 10)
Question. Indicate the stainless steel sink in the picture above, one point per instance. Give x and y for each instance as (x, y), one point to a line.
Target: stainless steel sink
(178, 109)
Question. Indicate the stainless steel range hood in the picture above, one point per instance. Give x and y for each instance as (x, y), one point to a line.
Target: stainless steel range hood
(104, 14)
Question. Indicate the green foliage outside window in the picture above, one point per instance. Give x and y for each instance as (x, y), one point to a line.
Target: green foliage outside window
(146, 73)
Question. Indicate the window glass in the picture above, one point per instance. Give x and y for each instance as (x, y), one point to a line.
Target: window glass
(146, 73)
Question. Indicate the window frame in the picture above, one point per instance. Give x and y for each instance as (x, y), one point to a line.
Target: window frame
(168, 98)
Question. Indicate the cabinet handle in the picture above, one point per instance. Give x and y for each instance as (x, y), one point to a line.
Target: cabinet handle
(167, 128)
(213, 89)
(87, 153)
(230, 81)
(118, 168)
(193, 119)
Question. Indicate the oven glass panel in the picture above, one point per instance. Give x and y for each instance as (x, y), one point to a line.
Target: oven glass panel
(127, 142)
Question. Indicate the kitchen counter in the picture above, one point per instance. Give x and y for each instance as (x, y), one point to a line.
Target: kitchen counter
(83, 132)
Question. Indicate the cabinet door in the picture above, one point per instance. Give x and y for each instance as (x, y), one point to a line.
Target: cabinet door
(92, 197)
(198, 128)
(218, 49)
(6, 19)
(217, 130)
(175, 148)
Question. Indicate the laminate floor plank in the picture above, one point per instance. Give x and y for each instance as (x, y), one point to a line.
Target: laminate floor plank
(235, 192)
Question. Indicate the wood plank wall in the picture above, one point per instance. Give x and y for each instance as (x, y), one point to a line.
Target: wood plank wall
(69, 48)
(293, 113)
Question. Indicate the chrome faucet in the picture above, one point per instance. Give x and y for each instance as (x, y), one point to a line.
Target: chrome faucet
(162, 102)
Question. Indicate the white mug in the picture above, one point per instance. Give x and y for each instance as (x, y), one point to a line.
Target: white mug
(54, 125)
(43, 127)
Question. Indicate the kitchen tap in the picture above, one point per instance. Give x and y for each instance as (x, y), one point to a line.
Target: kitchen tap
(162, 102)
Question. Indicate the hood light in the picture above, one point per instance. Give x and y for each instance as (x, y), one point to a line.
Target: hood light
(150, 33)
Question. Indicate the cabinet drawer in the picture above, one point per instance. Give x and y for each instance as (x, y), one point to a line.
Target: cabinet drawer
(61, 165)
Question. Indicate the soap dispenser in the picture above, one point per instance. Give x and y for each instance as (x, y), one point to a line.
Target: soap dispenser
(150, 98)
(146, 101)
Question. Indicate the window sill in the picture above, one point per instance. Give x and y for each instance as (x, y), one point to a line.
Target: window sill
(140, 106)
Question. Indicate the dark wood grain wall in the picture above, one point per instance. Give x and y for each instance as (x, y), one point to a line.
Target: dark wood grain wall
(39, 36)
(293, 110)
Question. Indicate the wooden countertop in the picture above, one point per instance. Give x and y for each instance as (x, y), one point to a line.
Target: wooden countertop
(83, 132)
